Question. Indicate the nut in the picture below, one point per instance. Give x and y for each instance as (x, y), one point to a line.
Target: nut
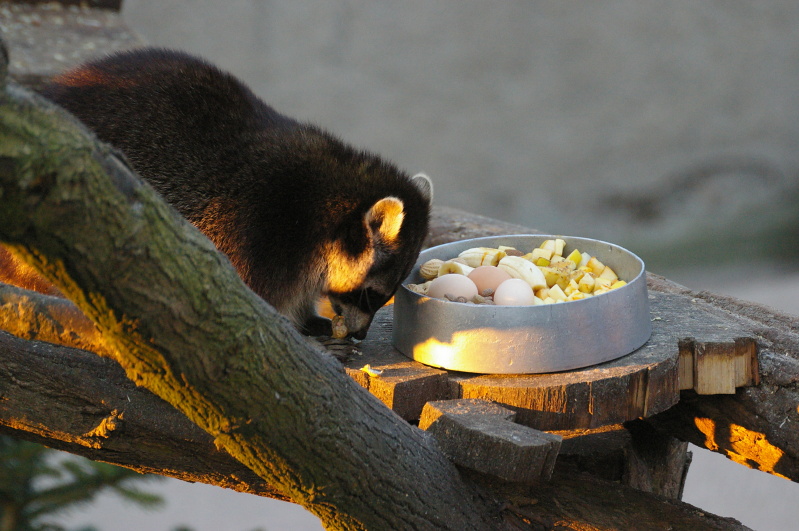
(429, 269)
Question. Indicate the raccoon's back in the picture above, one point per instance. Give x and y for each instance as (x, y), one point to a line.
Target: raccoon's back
(184, 124)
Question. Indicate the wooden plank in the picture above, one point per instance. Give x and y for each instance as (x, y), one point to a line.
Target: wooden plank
(403, 385)
(716, 357)
(481, 436)
(639, 385)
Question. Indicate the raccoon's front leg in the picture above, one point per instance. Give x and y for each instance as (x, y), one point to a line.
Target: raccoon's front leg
(316, 325)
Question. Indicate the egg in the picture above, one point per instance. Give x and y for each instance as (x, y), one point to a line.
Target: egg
(488, 277)
(514, 292)
(452, 285)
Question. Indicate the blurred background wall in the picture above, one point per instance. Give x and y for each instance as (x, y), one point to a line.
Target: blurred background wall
(670, 128)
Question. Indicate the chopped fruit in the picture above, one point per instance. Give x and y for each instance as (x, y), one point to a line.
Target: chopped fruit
(576, 257)
(609, 274)
(595, 265)
(602, 283)
(586, 284)
(552, 277)
(556, 293)
(541, 253)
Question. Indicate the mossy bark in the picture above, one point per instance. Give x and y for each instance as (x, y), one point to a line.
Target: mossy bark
(181, 323)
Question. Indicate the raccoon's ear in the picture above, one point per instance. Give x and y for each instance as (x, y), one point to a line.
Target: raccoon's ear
(424, 184)
(384, 219)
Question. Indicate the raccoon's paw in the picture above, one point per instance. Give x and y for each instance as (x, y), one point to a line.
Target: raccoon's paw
(343, 349)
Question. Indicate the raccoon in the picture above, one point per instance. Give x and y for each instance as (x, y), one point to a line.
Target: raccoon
(299, 213)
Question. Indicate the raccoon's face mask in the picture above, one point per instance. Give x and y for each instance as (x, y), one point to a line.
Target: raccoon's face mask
(360, 283)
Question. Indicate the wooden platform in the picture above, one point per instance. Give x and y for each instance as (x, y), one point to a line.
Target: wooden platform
(690, 348)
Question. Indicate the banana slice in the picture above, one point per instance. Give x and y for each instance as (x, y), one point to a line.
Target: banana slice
(451, 266)
(478, 256)
(518, 267)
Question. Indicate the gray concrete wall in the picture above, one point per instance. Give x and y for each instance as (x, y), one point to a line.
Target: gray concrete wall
(671, 128)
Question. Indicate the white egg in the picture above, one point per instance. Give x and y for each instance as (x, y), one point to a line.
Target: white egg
(514, 292)
(452, 285)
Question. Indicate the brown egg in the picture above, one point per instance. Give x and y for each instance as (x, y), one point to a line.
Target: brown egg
(488, 277)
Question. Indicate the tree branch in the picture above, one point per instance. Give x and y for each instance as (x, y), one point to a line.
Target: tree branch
(75, 401)
(181, 323)
(59, 396)
(31, 315)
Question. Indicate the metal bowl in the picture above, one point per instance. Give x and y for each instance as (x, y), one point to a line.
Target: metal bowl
(492, 339)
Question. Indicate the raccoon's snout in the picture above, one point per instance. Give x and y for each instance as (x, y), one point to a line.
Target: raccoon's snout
(357, 320)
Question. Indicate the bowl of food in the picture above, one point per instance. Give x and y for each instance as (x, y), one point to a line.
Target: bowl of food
(522, 304)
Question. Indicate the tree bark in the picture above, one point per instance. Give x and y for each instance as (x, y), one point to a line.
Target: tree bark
(75, 401)
(183, 325)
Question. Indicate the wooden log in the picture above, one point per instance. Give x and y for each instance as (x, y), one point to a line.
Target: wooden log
(156, 438)
(482, 436)
(641, 384)
(655, 462)
(403, 386)
(59, 396)
(758, 426)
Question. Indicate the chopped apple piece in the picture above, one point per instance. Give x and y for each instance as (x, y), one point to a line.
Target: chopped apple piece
(585, 257)
(602, 283)
(549, 245)
(575, 256)
(541, 262)
(586, 284)
(576, 276)
(555, 276)
(557, 293)
(577, 296)
(618, 284)
(595, 265)
(542, 293)
(541, 253)
(571, 287)
(609, 274)
(559, 245)
(550, 275)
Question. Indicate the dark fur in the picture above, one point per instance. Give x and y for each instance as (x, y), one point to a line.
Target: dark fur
(267, 190)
